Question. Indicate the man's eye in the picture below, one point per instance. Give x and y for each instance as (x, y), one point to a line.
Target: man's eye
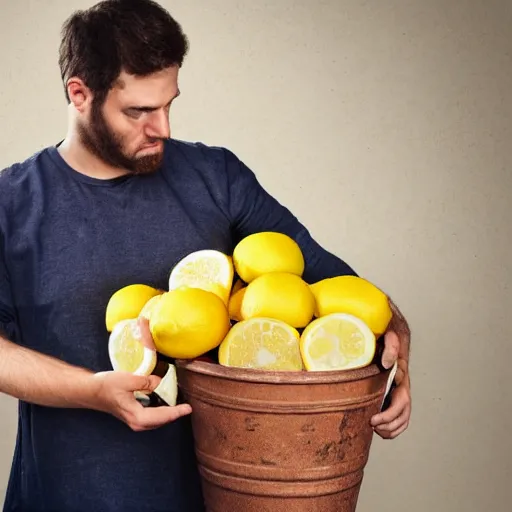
(134, 114)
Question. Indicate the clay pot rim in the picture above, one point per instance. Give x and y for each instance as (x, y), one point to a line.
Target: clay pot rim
(278, 377)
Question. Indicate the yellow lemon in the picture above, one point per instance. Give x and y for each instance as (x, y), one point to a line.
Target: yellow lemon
(262, 343)
(149, 307)
(188, 322)
(127, 303)
(282, 296)
(208, 270)
(126, 350)
(355, 296)
(268, 251)
(235, 304)
(337, 342)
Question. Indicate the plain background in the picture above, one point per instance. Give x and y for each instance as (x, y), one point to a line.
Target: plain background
(384, 126)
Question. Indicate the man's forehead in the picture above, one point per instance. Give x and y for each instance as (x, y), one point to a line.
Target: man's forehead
(162, 82)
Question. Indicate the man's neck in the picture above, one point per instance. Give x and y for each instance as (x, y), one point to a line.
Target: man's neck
(78, 157)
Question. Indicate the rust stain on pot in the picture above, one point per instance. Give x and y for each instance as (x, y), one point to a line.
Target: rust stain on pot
(332, 451)
(251, 424)
(219, 435)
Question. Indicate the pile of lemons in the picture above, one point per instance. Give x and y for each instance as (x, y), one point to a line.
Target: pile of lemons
(255, 306)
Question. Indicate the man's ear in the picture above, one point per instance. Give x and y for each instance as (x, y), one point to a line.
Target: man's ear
(79, 94)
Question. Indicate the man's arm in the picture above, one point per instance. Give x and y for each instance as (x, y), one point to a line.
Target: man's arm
(43, 380)
(252, 209)
(40, 379)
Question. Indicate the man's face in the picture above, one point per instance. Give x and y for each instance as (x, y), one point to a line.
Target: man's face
(128, 129)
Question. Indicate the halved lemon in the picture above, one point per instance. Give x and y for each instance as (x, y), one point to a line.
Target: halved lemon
(262, 343)
(208, 270)
(127, 352)
(338, 341)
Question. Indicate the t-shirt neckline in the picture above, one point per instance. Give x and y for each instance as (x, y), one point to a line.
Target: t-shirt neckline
(55, 155)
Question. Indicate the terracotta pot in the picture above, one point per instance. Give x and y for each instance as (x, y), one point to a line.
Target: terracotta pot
(281, 441)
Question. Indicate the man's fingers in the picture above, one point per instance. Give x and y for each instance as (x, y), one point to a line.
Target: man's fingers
(395, 423)
(147, 418)
(131, 382)
(391, 349)
(147, 338)
(394, 434)
(400, 400)
(394, 411)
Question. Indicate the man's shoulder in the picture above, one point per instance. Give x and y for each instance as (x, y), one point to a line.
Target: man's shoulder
(20, 171)
(199, 153)
(19, 180)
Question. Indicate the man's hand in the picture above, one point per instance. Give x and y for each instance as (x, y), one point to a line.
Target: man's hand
(395, 420)
(115, 395)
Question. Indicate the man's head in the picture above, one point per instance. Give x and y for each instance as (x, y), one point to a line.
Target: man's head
(119, 63)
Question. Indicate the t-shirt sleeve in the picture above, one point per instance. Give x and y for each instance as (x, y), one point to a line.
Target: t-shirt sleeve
(7, 312)
(252, 209)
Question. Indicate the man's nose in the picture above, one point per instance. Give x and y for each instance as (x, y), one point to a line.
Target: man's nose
(158, 126)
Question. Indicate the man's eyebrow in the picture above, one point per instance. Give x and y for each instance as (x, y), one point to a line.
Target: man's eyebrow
(150, 108)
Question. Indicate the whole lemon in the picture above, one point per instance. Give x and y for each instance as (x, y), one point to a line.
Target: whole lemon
(355, 296)
(280, 296)
(265, 252)
(127, 303)
(188, 322)
(235, 304)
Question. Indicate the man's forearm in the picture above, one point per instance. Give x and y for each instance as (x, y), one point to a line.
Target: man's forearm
(43, 380)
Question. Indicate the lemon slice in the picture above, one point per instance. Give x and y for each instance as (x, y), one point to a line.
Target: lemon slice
(208, 270)
(262, 343)
(338, 341)
(126, 351)
(167, 389)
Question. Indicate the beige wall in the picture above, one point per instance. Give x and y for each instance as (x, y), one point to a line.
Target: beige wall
(384, 126)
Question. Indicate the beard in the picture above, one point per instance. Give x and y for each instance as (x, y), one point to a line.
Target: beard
(104, 143)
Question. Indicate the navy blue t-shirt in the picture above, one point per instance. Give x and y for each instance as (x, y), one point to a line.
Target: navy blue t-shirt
(67, 242)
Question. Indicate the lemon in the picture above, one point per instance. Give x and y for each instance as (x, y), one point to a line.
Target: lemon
(285, 297)
(235, 304)
(188, 322)
(126, 350)
(355, 296)
(167, 388)
(127, 303)
(337, 342)
(268, 251)
(208, 270)
(149, 307)
(262, 343)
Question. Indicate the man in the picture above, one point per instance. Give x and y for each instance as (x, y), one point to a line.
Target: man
(118, 202)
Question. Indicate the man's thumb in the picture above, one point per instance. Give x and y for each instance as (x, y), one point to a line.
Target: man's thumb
(144, 383)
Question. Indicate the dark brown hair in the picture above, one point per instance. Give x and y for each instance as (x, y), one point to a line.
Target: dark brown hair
(136, 36)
